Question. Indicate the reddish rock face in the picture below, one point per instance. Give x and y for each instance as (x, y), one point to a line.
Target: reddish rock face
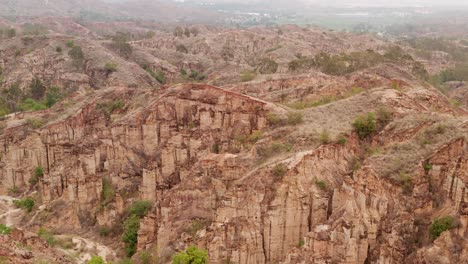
(270, 170)
(178, 150)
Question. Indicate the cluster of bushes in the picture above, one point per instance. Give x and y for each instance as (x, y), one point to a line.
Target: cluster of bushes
(47, 236)
(267, 66)
(193, 75)
(292, 119)
(459, 72)
(131, 225)
(301, 63)
(7, 33)
(121, 45)
(25, 203)
(341, 64)
(279, 170)
(38, 97)
(110, 67)
(197, 225)
(438, 44)
(265, 152)
(38, 173)
(77, 55)
(368, 124)
(181, 48)
(180, 31)
(34, 29)
(158, 76)
(321, 184)
(440, 225)
(110, 106)
(249, 139)
(247, 76)
(326, 99)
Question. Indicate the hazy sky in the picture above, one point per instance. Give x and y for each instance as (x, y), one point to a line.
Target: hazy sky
(353, 2)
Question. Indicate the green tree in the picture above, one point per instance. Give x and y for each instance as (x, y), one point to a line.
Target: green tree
(11, 33)
(178, 31)
(77, 55)
(121, 45)
(192, 255)
(53, 95)
(13, 96)
(37, 89)
(130, 234)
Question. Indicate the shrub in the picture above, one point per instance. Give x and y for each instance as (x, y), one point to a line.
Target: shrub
(33, 180)
(407, 182)
(58, 49)
(267, 66)
(37, 89)
(147, 258)
(178, 31)
(197, 225)
(247, 76)
(192, 255)
(181, 48)
(294, 118)
(107, 192)
(13, 190)
(70, 43)
(77, 55)
(96, 260)
(158, 76)
(196, 76)
(440, 225)
(32, 105)
(302, 63)
(140, 208)
(39, 171)
(26, 204)
(274, 120)
(4, 229)
(301, 243)
(120, 44)
(384, 116)
(321, 184)
(427, 167)
(35, 122)
(110, 106)
(11, 33)
(341, 140)
(279, 170)
(215, 148)
(47, 235)
(125, 261)
(365, 125)
(321, 101)
(53, 95)
(110, 67)
(104, 231)
(275, 148)
(325, 137)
